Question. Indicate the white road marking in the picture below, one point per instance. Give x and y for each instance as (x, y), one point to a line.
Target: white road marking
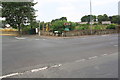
(56, 66)
(105, 35)
(116, 45)
(33, 70)
(13, 74)
(80, 60)
(104, 54)
(83, 38)
(114, 54)
(37, 39)
(39, 69)
(19, 38)
(93, 57)
(44, 39)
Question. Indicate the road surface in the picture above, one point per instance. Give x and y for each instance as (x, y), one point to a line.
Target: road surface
(83, 57)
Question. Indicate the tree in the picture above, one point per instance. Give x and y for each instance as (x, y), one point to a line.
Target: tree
(58, 25)
(62, 18)
(18, 13)
(103, 18)
(86, 18)
(115, 19)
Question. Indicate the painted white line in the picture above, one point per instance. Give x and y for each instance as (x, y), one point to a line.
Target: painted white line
(93, 57)
(80, 60)
(105, 35)
(56, 66)
(44, 39)
(39, 69)
(83, 38)
(104, 54)
(33, 70)
(116, 45)
(13, 74)
(114, 54)
(19, 38)
(37, 39)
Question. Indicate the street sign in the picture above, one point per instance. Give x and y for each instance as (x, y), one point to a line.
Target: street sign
(67, 29)
(67, 24)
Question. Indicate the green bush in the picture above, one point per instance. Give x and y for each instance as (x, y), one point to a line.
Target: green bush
(26, 28)
(97, 27)
(111, 26)
(82, 27)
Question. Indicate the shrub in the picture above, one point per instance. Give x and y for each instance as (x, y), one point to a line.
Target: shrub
(111, 26)
(82, 27)
(97, 27)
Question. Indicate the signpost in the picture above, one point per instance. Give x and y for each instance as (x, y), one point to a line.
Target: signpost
(67, 26)
(91, 16)
(39, 28)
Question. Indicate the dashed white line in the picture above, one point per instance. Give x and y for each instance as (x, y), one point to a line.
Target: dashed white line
(33, 70)
(114, 54)
(80, 60)
(37, 39)
(39, 69)
(93, 57)
(104, 54)
(105, 35)
(83, 38)
(116, 45)
(56, 66)
(13, 74)
(19, 38)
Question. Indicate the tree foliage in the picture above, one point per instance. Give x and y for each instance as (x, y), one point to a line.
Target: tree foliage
(86, 18)
(18, 13)
(62, 18)
(58, 25)
(103, 18)
(115, 19)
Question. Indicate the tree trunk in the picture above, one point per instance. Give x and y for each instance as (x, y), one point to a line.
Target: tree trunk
(19, 30)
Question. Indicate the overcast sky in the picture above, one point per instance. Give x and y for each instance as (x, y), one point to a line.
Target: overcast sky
(73, 9)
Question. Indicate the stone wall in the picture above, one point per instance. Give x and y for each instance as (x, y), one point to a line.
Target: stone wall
(80, 33)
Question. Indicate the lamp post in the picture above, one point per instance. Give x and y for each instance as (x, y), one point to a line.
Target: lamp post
(91, 16)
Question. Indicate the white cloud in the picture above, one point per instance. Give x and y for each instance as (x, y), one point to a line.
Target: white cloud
(73, 9)
(103, 2)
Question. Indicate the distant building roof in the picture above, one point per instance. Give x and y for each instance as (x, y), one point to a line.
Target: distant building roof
(82, 22)
(106, 22)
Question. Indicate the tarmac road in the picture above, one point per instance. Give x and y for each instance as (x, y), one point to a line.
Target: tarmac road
(90, 56)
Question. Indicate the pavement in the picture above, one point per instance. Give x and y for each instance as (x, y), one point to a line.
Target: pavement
(79, 57)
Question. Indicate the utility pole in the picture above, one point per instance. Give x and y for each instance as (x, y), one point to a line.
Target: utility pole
(39, 28)
(91, 16)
